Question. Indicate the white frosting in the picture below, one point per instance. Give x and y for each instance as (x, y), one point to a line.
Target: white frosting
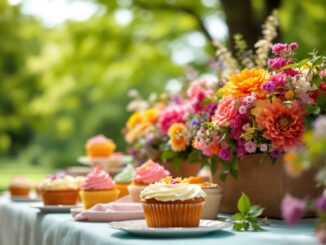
(19, 181)
(172, 192)
(65, 183)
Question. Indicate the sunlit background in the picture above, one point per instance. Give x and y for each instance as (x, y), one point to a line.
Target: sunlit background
(66, 65)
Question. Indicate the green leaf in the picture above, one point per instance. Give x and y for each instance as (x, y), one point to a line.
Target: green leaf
(168, 155)
(302, 62)
(237, 226)
(289, 66)
(256, 210)
(209, 124)
(214, 164)
(237, 216)
(244, 204)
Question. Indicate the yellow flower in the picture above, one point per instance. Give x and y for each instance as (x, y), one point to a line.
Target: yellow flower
(289, 95)
(139, 122)
(178, 137)
(246, 82)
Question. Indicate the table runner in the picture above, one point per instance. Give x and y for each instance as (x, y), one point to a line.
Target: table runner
(22, 225)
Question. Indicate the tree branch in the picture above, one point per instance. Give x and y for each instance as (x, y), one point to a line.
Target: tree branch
(183, 9)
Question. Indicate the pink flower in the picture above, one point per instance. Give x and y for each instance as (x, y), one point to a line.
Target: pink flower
(276, 63)
(292, 209)
(172, 114)
(225, 111)
(208, 145)
(242, 110)
(249, 99)
(250, 147)
(278, 48)
(279, 80)
(263, 147)
(225, 154)
(241, 152)
(291, 72)
(202, 85)
(293, 46)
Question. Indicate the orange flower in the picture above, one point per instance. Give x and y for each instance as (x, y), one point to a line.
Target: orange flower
(178, 137)
(292, 164)
(246, 82)
(283, 125)
(139, 122)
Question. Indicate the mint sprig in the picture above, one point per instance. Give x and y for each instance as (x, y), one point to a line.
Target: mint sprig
(246, 218)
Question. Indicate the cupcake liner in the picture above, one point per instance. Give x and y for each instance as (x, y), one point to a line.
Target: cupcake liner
(123, 188)
(172, 215)
(90, 198)
(134, 191)
(60, 197)
(212, 203)
(19, 191)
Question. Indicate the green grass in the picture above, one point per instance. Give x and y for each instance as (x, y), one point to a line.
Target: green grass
(10, 169)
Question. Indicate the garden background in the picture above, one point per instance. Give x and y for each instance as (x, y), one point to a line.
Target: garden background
(66, 66)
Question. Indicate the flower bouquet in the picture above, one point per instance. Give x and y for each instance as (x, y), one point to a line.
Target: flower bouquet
(163, 129)
(262, 111)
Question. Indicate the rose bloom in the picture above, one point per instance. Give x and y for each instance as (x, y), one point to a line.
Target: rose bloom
(178, 137)
(225, 111)
(246, 82)
(283, 125)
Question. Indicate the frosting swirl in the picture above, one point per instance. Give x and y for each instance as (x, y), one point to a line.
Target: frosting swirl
(98, 139)
(125, 175)
(63, 183)
(98, 179)
(172, 192)
(150, 172)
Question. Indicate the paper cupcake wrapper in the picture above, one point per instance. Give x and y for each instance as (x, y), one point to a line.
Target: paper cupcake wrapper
(60, 197)
(172, 215)
(134, 191)
(90, 198)
(123, 188)
(212, 203)
(19, 191)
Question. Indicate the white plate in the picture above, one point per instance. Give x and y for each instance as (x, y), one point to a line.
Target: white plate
(139, 228)
(97, 216)
(31, 198)
(53, 208)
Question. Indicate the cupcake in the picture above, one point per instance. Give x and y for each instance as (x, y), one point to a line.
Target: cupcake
(59, 190)
(148, 173)
(100, 146)
(172, 205)
(123, 179)
(98, 187)
(19, 186)
(213, 196)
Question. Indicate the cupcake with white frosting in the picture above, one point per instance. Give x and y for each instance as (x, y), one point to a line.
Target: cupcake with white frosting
(59, 190)
(19, 186)
(172, 204)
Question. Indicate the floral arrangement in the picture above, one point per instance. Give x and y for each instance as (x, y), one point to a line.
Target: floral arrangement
(163, 129)
(264, 110)
(312, 155)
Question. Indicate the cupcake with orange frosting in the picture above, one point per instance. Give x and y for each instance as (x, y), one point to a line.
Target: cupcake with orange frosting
(19, 186)
(213, 196)
(172, 204)
(148, 173)
(98, 187)
(100, 147)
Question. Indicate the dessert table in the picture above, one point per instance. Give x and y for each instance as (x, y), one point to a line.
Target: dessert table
(22, 224)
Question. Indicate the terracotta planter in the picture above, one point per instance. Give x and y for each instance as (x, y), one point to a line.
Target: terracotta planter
(186, 170)
(265, 184)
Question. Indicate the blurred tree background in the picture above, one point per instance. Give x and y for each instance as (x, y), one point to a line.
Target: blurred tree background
(60, 85)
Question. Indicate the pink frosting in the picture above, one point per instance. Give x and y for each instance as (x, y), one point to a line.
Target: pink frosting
(150, 172)
(98, 180)
(98, 139)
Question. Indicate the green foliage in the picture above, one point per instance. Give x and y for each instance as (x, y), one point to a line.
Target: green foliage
(246, 218)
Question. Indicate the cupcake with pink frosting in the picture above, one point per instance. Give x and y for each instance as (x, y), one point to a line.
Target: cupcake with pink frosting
(148, 173)
(98, 187)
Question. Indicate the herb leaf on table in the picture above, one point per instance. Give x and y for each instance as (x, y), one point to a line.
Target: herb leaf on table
(246, 218)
